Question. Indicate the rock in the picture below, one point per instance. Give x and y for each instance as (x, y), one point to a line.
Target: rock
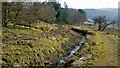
(97, 43)
(83, 58)
(17, 65)
(89, 56)
(46, 63)
(54, 38)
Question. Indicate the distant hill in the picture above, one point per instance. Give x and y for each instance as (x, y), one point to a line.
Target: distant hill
(110, 13)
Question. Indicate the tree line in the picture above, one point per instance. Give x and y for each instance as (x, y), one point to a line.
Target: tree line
(26, 13)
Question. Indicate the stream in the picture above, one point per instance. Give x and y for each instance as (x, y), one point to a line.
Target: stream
(70, 52)
(62, 61)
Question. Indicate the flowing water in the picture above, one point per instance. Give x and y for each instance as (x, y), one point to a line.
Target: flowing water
(70, 52)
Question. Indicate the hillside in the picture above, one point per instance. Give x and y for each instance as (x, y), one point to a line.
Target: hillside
(46, 35)
(110, 13)
(46, 43)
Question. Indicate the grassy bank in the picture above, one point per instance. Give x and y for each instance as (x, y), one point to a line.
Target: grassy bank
(42, 45)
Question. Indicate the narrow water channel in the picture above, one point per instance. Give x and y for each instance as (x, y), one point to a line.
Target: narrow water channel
(83, 34)
(70, 52)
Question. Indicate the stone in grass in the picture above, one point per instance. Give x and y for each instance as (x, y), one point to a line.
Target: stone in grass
(16, 65)
(83, 58)
(46, 63)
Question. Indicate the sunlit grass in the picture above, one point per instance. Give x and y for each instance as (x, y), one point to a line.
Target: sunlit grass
(27, 31)
(34, 51)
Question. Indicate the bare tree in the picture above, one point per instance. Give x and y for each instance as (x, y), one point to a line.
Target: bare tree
(102, 22)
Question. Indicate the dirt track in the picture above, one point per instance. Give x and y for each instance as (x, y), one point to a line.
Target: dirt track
(111, 50)
(107, 51)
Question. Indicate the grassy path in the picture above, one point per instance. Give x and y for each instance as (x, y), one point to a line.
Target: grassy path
(110, 50)
(105, 53)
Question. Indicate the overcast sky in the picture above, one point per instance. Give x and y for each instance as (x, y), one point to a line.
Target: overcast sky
(82, 4)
